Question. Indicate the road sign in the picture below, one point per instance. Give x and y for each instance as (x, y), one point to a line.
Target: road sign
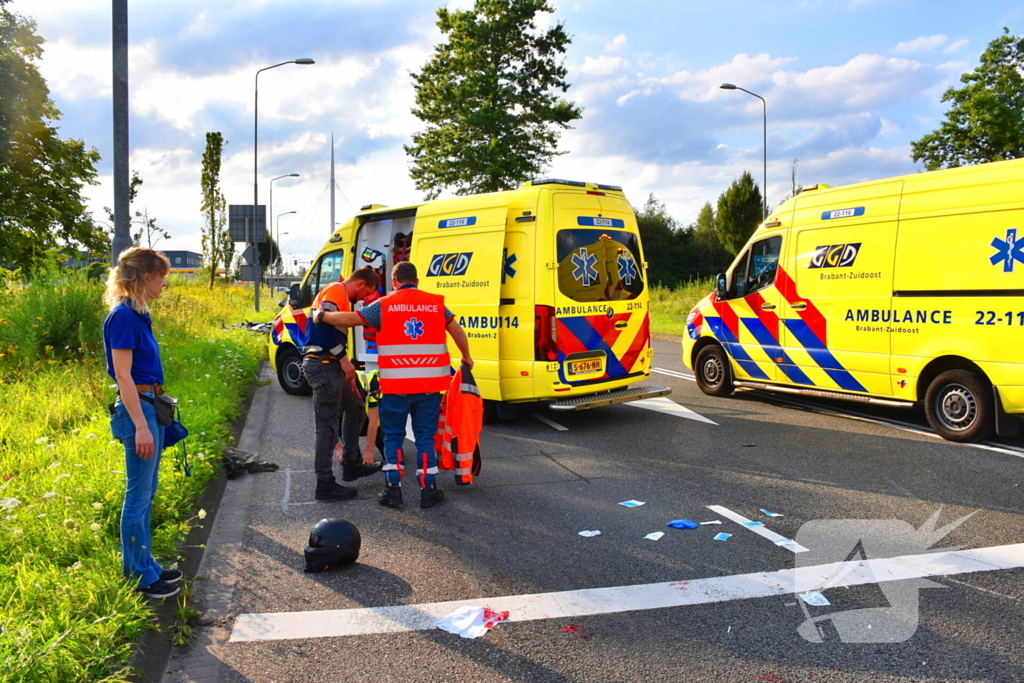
(248, 274)
(249, 255)
(237, 218)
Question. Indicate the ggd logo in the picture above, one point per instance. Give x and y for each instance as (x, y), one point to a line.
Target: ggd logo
(835, 255)
(445, 265)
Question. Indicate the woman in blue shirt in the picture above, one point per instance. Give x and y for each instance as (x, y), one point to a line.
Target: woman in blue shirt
(133, 360)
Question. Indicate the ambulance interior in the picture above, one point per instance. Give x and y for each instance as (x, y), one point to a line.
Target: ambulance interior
(380, 245)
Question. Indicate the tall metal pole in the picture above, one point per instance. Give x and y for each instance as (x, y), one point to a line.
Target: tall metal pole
(764, 142)
(330, 231)
(255, 157)
(270, 209)
(122, 235)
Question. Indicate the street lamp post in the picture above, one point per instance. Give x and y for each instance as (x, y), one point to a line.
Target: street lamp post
(270, 208)
(280, 261)
(278, 244)
(764, 111)
(255, 157)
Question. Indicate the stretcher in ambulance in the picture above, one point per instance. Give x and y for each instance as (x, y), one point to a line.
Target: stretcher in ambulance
(548, 281)
(902, 292)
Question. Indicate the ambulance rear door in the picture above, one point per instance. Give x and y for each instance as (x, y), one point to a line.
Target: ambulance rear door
(602, 325)
(458, 246)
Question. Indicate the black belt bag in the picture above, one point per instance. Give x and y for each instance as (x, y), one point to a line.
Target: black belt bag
(164, 406)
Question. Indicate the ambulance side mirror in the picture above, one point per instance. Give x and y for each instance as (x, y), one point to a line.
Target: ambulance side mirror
(721, 286)
(300, 296)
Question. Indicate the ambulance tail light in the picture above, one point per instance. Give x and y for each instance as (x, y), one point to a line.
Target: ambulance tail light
(545, 344)
(647, 328)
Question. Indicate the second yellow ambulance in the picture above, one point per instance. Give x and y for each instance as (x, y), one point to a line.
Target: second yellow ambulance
(902, 291)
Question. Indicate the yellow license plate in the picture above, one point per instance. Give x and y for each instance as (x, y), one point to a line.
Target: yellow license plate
(582, 367)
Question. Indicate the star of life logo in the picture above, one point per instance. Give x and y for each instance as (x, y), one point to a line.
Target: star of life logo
(848, 552)
(627, 268)
(1007, 251)
(585, 271)
(413, 328)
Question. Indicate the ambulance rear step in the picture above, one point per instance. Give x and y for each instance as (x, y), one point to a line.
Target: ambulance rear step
(607, 398)
(822, 393)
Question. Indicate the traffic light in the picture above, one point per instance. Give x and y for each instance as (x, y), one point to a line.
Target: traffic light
(295, 262)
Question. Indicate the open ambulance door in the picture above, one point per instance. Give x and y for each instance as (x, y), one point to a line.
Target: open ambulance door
(457, 249)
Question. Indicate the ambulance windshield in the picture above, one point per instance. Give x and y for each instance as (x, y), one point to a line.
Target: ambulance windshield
(599, 265)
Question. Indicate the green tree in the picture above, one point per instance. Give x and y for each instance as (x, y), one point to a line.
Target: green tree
(489, 97)
(739, 213)
(215, 239)
(712, 257)
(667, 246)
(41, 175)
(986, 119)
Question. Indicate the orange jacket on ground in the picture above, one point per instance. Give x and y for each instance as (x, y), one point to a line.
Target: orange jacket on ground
(458, 430)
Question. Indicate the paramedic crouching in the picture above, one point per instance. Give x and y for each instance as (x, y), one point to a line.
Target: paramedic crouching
(414, 369)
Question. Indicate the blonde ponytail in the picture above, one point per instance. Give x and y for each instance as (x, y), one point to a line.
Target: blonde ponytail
(126, 280)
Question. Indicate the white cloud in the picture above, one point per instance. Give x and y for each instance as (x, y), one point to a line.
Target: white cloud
(957, 46)
(922, 44)
(603, 65)
(616, 43)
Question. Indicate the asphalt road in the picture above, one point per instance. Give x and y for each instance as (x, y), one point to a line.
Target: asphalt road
(516, 532)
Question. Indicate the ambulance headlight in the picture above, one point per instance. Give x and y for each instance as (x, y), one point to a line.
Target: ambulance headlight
(689, 318)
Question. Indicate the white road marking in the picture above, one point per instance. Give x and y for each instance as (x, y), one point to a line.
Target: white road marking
(287, 489)
(760, 530)
(663, 404)
(984, 590)
(674, 373)
(563, 604)
(550, 423)
(409, 434)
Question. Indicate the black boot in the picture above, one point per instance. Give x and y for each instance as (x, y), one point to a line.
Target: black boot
(332, 490)
(430, 496)
(391, 495)
(355, 470)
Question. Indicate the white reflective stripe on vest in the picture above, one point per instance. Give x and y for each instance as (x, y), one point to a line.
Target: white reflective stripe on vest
(467, 470)
(430, 470)
(469, 389)
(411, 349)
(414, 373)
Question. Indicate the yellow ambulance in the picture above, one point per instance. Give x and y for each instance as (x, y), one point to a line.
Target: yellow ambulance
(901, 292)
(548, 281)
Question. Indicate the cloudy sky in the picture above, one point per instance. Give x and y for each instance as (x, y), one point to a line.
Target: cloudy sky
(848, 84)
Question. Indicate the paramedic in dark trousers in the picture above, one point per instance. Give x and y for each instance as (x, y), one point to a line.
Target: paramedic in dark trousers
(337, 406)
(414, 369)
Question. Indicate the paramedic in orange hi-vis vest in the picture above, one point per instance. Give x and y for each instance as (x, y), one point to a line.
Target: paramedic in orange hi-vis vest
(414, 370)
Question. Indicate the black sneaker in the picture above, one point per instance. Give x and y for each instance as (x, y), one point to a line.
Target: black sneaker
(160, 590)
(171, 576)
(391, 495)
(334, 491)
(353, 471)
(430, 496)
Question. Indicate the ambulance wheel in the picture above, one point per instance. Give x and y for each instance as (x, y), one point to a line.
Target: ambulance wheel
(714, 376)
(289, 373)
(959, 406)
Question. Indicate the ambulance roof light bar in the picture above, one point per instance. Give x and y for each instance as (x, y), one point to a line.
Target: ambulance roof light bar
(610, 188)
(816, 186)
(558, 181)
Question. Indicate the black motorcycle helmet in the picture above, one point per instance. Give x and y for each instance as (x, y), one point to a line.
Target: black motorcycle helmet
(332, 543)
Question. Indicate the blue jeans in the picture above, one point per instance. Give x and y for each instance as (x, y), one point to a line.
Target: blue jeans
(136, 557)
(425, 410)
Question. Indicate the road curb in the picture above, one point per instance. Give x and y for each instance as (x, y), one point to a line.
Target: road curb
(201, 663)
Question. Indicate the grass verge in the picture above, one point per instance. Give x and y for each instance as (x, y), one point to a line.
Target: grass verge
(66, 613)
(669, 307)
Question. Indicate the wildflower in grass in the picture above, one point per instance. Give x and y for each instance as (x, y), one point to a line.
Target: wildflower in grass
(75, 567)
(70, 523)
(201, 514)
(97, 506)
(90, 436)
(41, 516)
(94, 527)
(9, 503)
(49, 494)
(41, 440)
(17, 533)
(62, 475)
(78, 464)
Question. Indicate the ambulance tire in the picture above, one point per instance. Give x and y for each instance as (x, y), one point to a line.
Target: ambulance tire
(959, 406)
(289, 372)
(714, 374)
